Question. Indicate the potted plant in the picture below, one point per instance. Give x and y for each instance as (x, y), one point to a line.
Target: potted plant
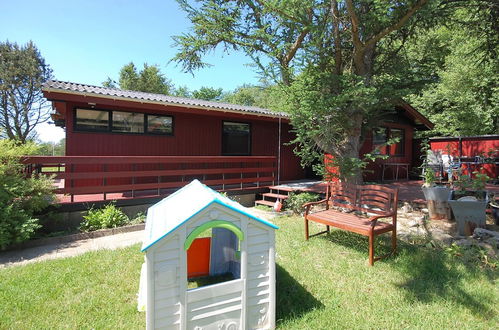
(436, 196)
(468, 201)
(494, 205)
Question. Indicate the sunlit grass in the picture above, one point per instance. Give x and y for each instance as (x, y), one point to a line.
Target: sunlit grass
(324, 283)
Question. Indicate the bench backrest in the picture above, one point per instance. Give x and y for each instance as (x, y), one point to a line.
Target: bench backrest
(375, 199)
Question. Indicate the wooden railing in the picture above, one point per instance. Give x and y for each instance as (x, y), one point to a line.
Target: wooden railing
(117, 177)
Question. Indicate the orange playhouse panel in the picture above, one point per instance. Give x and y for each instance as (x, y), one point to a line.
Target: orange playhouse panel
(198, 258)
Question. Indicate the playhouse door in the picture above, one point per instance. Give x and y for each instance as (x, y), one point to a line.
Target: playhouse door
(216, 307)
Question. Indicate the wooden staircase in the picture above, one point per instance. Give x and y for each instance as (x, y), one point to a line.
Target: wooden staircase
(270, 197)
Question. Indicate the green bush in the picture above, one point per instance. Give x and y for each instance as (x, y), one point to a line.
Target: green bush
(20, 198)
(296, 200)
(108, 217)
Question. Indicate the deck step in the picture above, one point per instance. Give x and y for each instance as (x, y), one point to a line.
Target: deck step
(276, 196)
(264, 202)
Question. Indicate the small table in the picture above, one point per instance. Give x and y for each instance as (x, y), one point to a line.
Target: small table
(404, 166)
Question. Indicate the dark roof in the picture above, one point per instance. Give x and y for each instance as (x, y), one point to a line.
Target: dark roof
(98, 91)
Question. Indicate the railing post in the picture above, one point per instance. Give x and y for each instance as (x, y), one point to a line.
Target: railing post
(133, 180)
(241, 183)
(71, 183)
(104, 179)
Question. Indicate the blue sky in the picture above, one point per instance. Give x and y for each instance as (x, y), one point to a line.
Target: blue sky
(87, 41)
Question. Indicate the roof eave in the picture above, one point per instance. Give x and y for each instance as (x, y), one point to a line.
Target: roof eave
(142, 101)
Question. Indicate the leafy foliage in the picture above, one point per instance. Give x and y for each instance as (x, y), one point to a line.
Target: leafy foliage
(149, 79)
(296, 200)
(323, 53)
(22, 106)
(463, 97)
(21, 198)
(108, 217)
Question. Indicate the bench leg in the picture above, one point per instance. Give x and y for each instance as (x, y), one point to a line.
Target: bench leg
(394, 241)
(328, 229)
(371, 249)
(306, 229)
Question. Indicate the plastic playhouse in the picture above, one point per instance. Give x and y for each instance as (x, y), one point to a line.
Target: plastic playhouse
(196, 237)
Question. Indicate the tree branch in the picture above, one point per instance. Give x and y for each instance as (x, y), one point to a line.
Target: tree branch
(397, 25)
(355, 25)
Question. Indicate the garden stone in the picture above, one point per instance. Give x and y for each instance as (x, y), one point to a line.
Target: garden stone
(424, 210)
(465, 243)
(491, 250)
(440, 237)
(484, 233)
(416, 222)
(494, 241)
(407, 208)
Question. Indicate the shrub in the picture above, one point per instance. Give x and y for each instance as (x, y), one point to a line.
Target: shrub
(20, 198)
(108, 217)
(295, 201)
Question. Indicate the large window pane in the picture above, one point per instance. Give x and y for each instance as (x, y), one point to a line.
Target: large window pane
(379, 139)
(92, 120)
(128, 122)
(159, 124)
(236, 138)
(398, 148)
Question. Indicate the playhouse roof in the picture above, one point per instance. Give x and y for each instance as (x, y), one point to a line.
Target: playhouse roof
(173, 211)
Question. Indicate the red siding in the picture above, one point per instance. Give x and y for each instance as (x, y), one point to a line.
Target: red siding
(469, 147)
(196, 133)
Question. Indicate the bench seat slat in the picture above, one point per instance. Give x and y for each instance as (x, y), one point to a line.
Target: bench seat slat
(349, 221)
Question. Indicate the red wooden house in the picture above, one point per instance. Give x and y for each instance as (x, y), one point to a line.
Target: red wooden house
(137, 144)
(127, 144)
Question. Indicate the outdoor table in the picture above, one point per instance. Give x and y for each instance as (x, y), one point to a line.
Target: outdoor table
(404, 166)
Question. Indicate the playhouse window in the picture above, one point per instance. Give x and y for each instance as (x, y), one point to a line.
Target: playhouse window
(128, 122)
(92, 120)
(213, 257)
(236, 139)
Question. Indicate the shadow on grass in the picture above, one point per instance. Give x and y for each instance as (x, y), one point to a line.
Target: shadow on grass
(431, 274)
(293, 300)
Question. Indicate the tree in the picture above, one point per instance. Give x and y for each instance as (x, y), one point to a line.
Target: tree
(250, 95)
(21, 198)
(208, 93)
(52, 148)
(22, 106)
(463, 98)
(324, 53)
(149, 79)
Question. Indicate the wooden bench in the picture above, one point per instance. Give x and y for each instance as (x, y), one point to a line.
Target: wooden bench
(357, 208)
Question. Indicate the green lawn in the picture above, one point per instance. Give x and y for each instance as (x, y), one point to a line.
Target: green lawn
(322, 284)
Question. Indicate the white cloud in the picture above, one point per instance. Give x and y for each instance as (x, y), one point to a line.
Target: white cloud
(50, 133)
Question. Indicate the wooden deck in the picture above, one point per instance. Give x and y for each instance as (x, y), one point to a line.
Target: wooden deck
(409, 191)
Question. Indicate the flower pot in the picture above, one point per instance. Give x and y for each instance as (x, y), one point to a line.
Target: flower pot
(495, 213)
(436, 198)
(468, 210)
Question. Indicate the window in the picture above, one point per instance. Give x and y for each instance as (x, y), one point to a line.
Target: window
(236, 139)
(381, 137)
(397, 149)
(91, 120)
(159, 124)
(128, 122)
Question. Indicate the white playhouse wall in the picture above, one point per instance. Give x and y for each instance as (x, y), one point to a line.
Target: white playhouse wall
(251, 298)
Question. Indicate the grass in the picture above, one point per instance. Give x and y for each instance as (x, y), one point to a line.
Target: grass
(324, 283)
